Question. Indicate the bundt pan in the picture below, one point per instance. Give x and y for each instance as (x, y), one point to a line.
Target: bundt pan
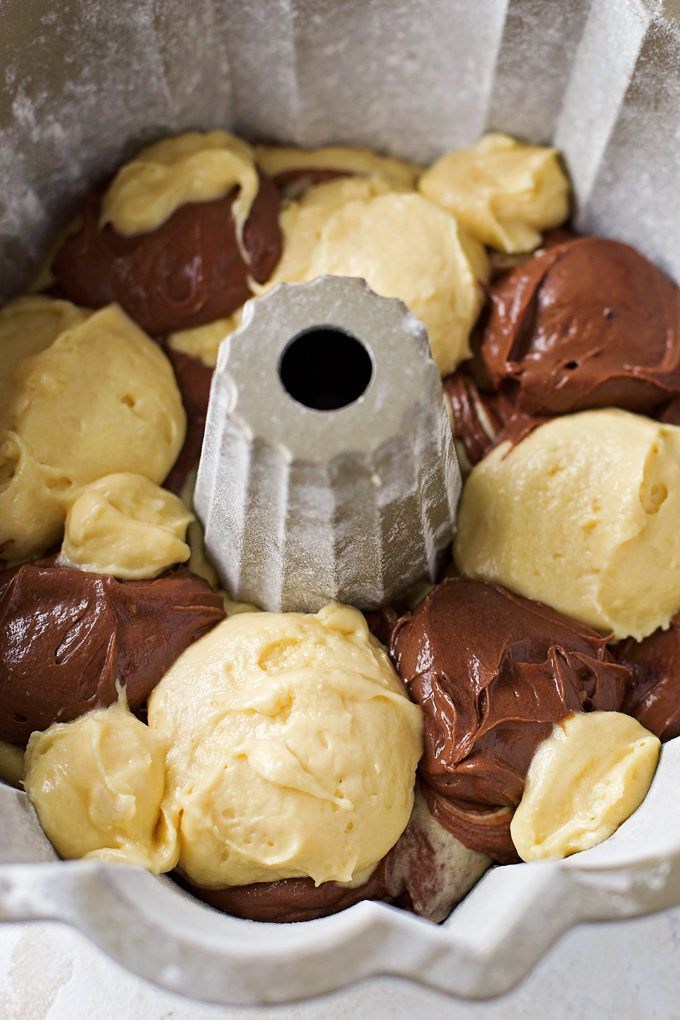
(87, 82)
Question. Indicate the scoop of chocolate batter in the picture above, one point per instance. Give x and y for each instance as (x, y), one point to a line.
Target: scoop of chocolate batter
(583, 324)
(493, 672)
(187, 272)
(479, 828)
(67, 637)
(194, 379)
(289, 899)
(653, 697)
(477, 416)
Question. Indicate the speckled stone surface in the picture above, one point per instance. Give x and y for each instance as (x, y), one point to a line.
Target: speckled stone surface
(50, 973)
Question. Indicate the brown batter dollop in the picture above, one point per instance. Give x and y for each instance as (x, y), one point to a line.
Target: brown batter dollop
(669, 413)
(67, 637)
(290, 899)
(381, 622)
(653, 697)
(480, 828)
(493, 672)
(588, 323)
(194, 379)
(477, 417)
(187, 272)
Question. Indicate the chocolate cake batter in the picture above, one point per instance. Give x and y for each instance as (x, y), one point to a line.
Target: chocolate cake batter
(584, 324)
(654, 695)
(193, 379)
(492, 673)
(187, 272)
(68, 637)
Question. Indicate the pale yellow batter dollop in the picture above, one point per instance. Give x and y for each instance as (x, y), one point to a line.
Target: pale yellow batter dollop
(203, 342)
(302, 223)
(372, 227)
(584, 780)
(396, 173)
(126, 526)
(194, 167)
(91, 395)
(278, 746)
(293, 749)
(582, 515)
(98, 786)
(505, 193)
(29, 325)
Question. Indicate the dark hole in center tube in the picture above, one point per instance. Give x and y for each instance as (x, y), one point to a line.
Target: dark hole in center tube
(325, 369)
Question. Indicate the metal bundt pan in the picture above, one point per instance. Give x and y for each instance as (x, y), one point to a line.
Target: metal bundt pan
(85, 83)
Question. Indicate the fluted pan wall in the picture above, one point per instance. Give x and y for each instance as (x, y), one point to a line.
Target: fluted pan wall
(86, 82)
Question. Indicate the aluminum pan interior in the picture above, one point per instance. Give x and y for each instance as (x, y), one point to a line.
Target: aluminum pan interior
(85, 83)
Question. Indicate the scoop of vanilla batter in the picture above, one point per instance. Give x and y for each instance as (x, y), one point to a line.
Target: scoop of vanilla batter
(584, 780)
(505, 193)
(582, 515)
(126, 526)
(194, 167)
(293, 749)
(98, 786)
(279, 745)
(84, 395)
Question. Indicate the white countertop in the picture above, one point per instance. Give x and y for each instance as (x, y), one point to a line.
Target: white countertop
(623, 971)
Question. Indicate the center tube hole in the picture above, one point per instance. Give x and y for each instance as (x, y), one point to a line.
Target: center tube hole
(325, 369)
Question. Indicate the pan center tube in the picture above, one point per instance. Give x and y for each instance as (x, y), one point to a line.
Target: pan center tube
(328, 470)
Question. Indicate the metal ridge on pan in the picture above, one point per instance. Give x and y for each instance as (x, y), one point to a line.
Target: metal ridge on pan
(490, 941)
